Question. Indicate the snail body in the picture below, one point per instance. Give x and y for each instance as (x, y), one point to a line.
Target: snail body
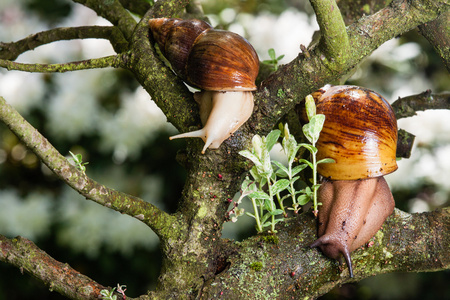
(360, 134)
(220, 63)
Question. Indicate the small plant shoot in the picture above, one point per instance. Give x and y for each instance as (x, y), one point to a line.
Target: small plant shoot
(270, 183)
(78, 161)
(274, 60)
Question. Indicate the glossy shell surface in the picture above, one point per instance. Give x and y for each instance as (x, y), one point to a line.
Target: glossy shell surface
(360, 133)
(209, 59)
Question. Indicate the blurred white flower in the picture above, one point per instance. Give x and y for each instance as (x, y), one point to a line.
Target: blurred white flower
(135, 123)
(88, 227)
(29, 217)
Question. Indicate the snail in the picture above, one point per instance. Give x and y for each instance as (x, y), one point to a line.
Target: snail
(222, 64)
(360, 134)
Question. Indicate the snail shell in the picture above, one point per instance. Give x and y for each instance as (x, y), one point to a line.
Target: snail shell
(360, 134)
(211, 60)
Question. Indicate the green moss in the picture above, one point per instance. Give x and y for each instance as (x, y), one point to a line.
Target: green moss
(257, 266)
(272, 239)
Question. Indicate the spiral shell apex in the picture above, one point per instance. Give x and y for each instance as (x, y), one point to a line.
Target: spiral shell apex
(209, 59)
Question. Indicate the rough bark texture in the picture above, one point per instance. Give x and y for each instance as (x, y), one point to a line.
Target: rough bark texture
(197, 263)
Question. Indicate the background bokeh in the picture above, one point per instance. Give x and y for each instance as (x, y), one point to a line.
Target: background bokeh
(108, 118)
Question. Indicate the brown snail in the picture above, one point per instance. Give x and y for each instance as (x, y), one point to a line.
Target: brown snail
(220, 63)
(360, 134)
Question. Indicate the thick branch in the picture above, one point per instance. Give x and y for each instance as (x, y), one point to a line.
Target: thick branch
(114, 12)
(408, 106)
(139, 7)
(95, 63)
(57, 276)
(290, 269)
(158, 220)
(166, 89)
(438, 34)
(334, 39)
(11, 51)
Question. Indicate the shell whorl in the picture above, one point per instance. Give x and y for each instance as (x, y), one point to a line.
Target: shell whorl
(360, 133)
(209, 59)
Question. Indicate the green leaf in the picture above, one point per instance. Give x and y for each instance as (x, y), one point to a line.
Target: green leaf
(326, 161)
(251, 156)
(265, 218)
(259, 195)
(272, 54)
(310, 107)
(310, 148)
(303, 199)
(269, 205)
(279, 186)
(250, 215)
(306, 162)
(313, 128)
(266, 168)
(272, 139)
(276, 212)
(280, 57)
(282, 171)
(298, 169)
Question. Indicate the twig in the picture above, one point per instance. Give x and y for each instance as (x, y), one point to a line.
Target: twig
(12, 50)
(408, 106)
(95, 63)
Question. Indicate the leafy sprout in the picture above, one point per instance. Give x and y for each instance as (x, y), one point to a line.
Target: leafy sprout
(270, 179)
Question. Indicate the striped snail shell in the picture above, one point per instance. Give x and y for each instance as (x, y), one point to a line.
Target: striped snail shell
(221, 63)
(360, 134)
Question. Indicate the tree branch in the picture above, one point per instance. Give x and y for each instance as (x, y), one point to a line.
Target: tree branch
(114, 12)
(334, 39)
(114, 61)
(57, 276)
(408, 106)
(166, 89)
(149, 214)
(437, 33)
(12, 50)
(305, 74)
(139, 7)
(292, 270)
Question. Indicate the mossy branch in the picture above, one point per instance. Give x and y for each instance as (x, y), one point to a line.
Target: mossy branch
(149, 214)
(292, 270)
(113, 11)
(334, 40)
(437, 33)
(408, 106)
(12, 50)
(95, 63)
(308, 72)
(57, 276)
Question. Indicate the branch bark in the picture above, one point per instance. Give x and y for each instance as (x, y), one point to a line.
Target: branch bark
(114, 12)
(408, 106)
(437, 33)
(292, 270)
(114, 61)
(57, 276)
(334, 40)
(10, 51)
(149, 214)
